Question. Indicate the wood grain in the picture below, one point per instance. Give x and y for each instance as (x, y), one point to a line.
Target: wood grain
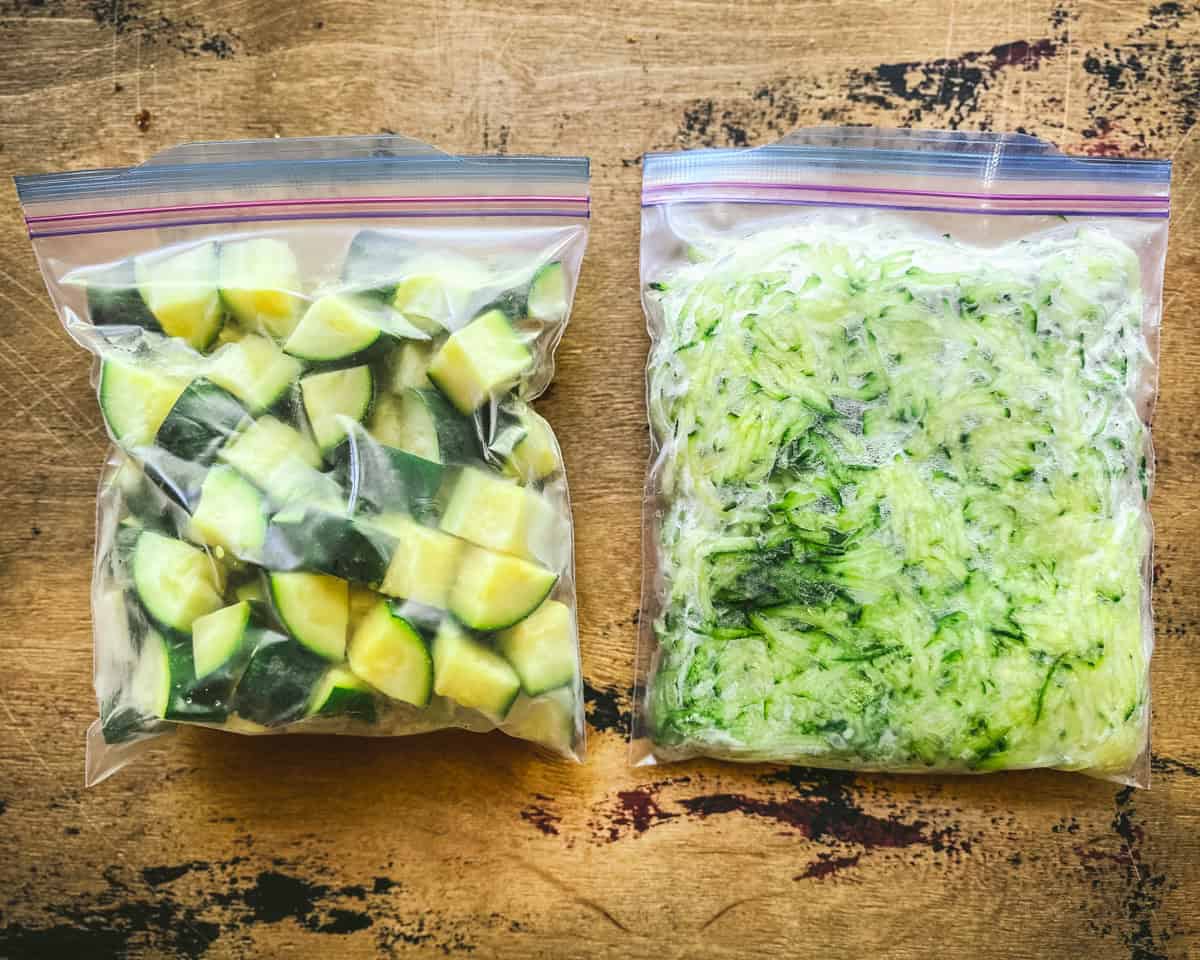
(219, 846)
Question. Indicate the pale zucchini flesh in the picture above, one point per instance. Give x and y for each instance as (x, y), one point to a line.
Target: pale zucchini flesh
(472, 674)
(315, 608)
(480, 361)
(494, 590)
(260, 284)
(541, 648)
(175, 581)
(389, 653)
(180, 289)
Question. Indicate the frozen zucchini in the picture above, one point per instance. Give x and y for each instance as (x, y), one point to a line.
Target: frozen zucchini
(534, 454)
(340, 693)
(548, 294)
(315, 610)
(180, 289)
(336, 327)
(278, 683)
(903, 490)
(219, 638)
(548, 719)
(494, 590)
(114, 300)
(480, 361)
(389, 653)
(496, 513)
(308, 539)
(175, 581)
(384, 479)
(333, 398)
(260, 284)
(407, 365)
(425, 424)
(135, 399)
(541, 648)
(231, 513)
(424, 564)
(202, 418)
(281, 461)
(433, 291)
(472, 674)
(256, 371)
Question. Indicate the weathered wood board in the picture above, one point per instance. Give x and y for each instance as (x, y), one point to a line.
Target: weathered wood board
(219, 846)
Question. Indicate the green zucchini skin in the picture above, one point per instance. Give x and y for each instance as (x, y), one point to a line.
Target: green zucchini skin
(373, 262)
(203, 418)
(353, 704)
(114, 300)
(275, 687)
(314, 541)
(179, 480)
(389, 480)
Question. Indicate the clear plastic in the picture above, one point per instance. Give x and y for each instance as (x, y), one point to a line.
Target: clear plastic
(900, 388)
(329, 506)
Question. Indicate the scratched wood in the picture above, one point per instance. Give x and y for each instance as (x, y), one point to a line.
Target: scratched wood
(219, 846)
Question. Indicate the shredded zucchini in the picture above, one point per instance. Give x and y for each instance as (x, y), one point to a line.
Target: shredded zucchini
(903, 485)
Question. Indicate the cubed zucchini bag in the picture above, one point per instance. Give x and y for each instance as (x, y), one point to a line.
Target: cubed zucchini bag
(329, 506)
(900, 387)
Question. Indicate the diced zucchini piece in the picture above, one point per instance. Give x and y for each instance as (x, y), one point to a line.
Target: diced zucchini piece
(433, 291)
(550, 720)
(308, 539)
(481, 360)
(217, 638)
(385, 480)
(535, 455)
(179, 479)
(202, 419)
(425, 424)
(372, 262)
(231, 514)
(541, 648)
(548, 294)
(340, 693)
(336, 327)
(330, 397)
(472, 674)
(390, 654)
(260, 284)
(175, 581)
(255, 371)
(494, 590)
(282, 461)
(113, 297)
(150, 685)
(180, 289)
(135, 400)
(277, 685)
(407, 365)
(315, 608)
(499, 514)
(424, 564)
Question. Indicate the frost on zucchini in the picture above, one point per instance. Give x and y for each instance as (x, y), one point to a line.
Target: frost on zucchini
(904, 485)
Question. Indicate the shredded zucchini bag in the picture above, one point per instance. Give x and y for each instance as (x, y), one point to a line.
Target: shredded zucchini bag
(900, 498)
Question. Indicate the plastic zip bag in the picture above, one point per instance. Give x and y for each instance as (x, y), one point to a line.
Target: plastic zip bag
(900, 388)
(330, 506)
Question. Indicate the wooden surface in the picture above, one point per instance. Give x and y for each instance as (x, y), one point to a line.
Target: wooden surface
(218, 846)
